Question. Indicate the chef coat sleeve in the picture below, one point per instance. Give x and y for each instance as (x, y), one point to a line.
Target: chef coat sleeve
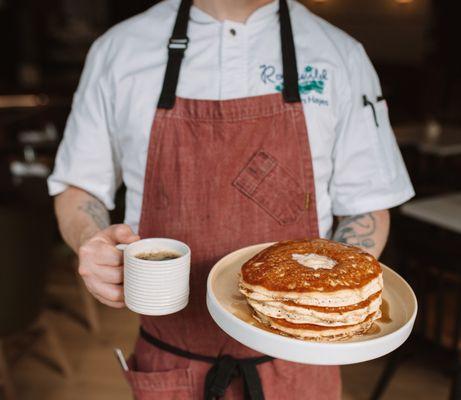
(369, 172)
(86, 157)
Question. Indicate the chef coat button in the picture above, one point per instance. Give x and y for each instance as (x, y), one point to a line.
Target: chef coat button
(233, 32)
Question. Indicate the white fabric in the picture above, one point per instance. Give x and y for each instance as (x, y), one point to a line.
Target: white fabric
(358, 167)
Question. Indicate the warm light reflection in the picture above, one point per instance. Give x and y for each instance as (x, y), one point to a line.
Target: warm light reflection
(23, 101)
(404, 1)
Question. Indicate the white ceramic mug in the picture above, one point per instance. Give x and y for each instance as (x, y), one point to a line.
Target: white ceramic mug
(156, 287)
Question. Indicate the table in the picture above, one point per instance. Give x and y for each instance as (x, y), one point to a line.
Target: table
(443, 211)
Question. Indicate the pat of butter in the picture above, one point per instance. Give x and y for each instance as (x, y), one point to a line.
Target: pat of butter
(314, 261)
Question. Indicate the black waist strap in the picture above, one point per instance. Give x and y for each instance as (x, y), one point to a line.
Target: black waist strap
(223, 370)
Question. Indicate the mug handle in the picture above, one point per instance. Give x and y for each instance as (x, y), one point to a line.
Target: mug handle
(121, 247)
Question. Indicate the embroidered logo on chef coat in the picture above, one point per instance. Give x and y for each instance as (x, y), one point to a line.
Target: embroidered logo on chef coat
(311, 82)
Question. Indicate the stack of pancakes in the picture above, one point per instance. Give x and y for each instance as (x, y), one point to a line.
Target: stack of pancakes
(314, 290)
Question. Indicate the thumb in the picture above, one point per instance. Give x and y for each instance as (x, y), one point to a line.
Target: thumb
(122, 234)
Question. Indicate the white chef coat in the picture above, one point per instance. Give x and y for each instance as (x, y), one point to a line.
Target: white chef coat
(357, 165)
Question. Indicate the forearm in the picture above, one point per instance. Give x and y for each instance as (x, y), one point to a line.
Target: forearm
(80, 216)
(368, 231)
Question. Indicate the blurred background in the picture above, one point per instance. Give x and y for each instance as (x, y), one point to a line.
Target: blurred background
(56, 341)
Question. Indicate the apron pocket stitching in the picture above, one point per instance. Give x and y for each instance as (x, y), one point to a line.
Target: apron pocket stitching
(272, 188)
(260, 165)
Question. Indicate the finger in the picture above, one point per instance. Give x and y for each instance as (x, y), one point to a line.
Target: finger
(99, 253)
(105, 254)
(122, 234)
(95, 288)
(107, 291)
(113, 304)
(111, 274)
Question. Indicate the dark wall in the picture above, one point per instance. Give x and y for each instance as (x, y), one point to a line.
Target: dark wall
(47, 40)
(415, 48)
(122, 9)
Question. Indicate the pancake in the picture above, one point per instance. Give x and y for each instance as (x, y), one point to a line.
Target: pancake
(316, 290)
(324, 316)
(274, 274)
(316, 333)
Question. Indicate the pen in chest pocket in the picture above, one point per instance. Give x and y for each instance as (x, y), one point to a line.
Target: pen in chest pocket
(367, 102)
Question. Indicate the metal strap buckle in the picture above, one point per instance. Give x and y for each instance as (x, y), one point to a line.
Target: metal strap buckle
(178, 44)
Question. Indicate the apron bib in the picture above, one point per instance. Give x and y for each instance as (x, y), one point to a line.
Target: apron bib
(222, 175)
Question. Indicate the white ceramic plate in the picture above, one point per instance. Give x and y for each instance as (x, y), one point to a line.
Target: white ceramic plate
(231, 312)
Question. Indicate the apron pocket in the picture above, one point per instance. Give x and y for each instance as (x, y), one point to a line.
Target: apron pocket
(175, 384)
(273, 188)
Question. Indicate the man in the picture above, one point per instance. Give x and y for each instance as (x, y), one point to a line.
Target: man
(268, 121)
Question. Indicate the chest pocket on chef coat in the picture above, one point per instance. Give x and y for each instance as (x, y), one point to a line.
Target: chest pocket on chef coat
(378, 124)
(272, 187)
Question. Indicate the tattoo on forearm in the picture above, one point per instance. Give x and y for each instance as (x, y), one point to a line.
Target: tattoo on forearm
(357, 230)
(98, 213)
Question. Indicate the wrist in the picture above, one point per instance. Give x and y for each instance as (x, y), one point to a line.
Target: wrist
(85, 235)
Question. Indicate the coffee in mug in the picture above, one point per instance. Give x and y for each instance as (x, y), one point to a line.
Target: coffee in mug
(158, 256)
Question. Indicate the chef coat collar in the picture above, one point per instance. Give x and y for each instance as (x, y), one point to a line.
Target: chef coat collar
(263, 13)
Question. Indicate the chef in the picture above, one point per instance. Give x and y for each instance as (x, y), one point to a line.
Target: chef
(231, 122)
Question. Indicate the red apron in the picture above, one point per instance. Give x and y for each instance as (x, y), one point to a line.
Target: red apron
(222, 175)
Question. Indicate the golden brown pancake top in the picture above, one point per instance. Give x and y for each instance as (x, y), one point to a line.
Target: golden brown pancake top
(274, 268)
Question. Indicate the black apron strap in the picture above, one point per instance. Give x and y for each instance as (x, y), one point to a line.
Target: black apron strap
(290, 68)
(223, 370)
(176, 48)
(252, 384)
(219, 377)
(172, 349)
(178, 45)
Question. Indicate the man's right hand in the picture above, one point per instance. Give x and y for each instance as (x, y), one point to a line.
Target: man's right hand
(101, 264)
